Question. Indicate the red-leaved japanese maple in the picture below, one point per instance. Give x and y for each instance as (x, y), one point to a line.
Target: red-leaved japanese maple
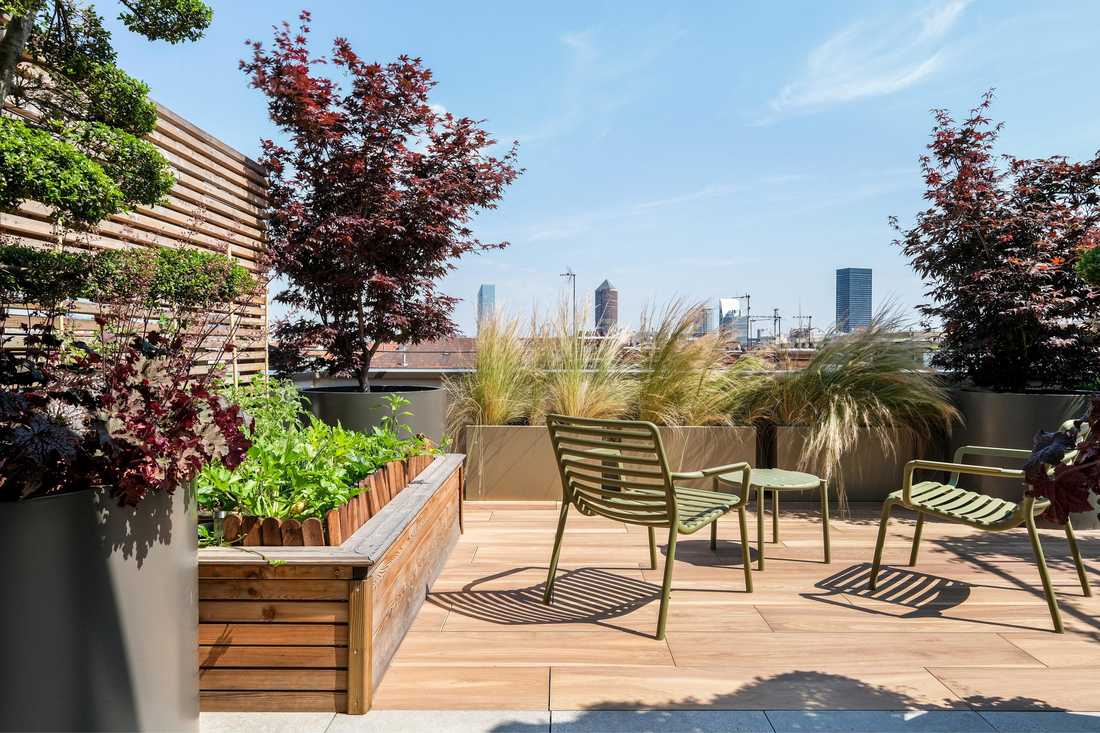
(371, 200)
(998, 248)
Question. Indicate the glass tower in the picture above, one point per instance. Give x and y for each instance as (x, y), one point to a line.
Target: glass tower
(853, 299)
(486, 302)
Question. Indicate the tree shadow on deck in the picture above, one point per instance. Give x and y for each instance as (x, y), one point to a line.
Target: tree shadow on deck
(810, 692)
(581, 596)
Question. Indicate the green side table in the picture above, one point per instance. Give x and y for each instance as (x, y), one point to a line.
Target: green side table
(776, 480)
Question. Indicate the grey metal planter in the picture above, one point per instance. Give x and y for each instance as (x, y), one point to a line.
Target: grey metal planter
(516, 462)
(364, 410)
(99, 619)
(1010, 420)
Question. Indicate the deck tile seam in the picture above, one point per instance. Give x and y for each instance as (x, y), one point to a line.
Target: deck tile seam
(952, 692)
(1007, 637)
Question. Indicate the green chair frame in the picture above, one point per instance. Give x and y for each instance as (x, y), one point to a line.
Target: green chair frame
(617, 469)
(977, 510)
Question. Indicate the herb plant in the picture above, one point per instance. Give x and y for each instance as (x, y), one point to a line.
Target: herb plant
(299, 467)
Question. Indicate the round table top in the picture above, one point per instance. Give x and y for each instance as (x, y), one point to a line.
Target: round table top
(779, 479)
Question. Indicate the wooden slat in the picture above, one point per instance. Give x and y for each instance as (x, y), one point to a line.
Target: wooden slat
(270, 532)
(252, 634)
(274, 590)
(313, 534)
(274, 612)
(225, 701)
(360, 681)
(263, 570)
(273, 679)
(291, 533)
(273, 656)
(217, 204)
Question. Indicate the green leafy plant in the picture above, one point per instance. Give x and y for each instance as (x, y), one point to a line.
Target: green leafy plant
(299, 467)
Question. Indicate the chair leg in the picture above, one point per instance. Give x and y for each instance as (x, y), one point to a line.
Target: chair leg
(745, 559)
(916, 539)
(1076, 552)
(548, 594)
(1052, 601)
(666, 588)
(880, 543)
(825, 521)
(760, 528)
(714, 535)
(652, 549)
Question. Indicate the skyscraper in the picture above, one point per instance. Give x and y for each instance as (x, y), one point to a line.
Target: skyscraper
(853, 299)
(607, 308)
(731, 320)
(486, 302)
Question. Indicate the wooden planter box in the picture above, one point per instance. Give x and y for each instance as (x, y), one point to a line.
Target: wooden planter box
(314, 628)
(381, 486)
(516, 462)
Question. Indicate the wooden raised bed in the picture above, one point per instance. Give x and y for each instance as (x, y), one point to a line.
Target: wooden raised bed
(380, 487)
(314, 628)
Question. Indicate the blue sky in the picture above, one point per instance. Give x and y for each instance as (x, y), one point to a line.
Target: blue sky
(694, 150)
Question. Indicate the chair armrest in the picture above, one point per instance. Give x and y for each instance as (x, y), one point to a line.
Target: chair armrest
(955, 469)
(716, 470)
(743, 467)
(981, 450)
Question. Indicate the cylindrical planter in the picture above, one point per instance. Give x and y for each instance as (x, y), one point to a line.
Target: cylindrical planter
(869, 470)
(1011, 420)
(98, 622)
(357, 410)
(516, 462)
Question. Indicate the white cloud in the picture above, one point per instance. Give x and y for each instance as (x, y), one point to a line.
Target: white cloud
(872, 58)
(602, 75)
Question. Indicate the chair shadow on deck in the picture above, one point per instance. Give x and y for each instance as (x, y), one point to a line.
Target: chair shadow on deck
(581, 596)
(916, 595)
(913, 593)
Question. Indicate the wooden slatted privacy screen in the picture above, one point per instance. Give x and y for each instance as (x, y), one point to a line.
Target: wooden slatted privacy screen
(217, 204)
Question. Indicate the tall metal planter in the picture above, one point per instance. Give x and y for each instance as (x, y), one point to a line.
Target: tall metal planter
(364, 410)
(98, 622)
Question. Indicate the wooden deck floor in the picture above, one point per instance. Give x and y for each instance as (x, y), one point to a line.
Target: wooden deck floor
(967, 627)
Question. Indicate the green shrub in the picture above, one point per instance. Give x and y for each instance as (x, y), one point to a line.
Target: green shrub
(299, 467)
(177, 278)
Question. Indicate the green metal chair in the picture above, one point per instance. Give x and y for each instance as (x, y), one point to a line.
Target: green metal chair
(980, 511)
(617, 469)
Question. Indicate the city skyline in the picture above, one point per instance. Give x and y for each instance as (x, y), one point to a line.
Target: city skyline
(788, 172)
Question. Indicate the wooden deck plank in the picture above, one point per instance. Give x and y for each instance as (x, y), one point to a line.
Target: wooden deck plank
(471, 688)
(969, 621)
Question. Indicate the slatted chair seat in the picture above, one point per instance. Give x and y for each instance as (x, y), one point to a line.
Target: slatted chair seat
(617, 469)
(980, 511)
(969, 507)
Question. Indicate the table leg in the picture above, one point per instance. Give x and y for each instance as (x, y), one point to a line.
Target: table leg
(825, 520)
(775, 516)
(760, 527)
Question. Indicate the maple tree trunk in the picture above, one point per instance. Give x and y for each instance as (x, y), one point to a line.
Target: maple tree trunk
(16, 33)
